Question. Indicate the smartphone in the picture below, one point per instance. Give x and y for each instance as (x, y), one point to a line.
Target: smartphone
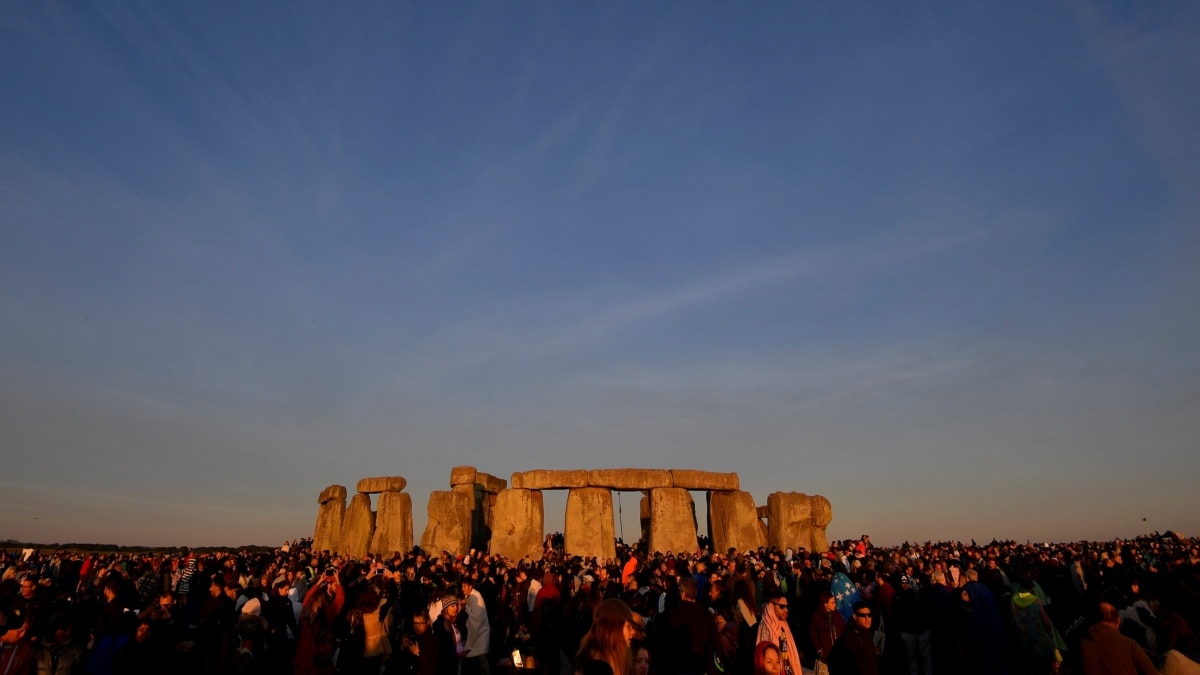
(516, 656)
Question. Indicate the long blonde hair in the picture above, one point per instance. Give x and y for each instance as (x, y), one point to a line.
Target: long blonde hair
(605, 641)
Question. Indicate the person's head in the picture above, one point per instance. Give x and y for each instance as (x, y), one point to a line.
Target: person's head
(862, 615)
(687, 588)
(767, 659)
(608, 640)
(28, 587)
(779, 605)
(112, 588)
(641, 658)
(1109, 614)
(450, 607)
(617, 609)
(144, 632)
(420, 621)
(826, 601)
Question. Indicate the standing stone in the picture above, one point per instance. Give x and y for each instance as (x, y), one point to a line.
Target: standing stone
(733, 522)
(393, 524)
(672, 521)
(480, 515)
(797, 519)
(589, 523)
(449, 527)
(822, 515)
(330, 514)
(630, 479)
(357, 527)
(644, 515)
(382, 484)
(518, 519)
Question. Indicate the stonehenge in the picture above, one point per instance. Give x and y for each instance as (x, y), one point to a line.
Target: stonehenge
(483, 512)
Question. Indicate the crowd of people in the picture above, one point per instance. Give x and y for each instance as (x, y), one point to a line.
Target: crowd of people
(916, 609)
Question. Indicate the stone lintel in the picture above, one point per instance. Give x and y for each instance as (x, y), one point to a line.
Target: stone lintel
(370, 486)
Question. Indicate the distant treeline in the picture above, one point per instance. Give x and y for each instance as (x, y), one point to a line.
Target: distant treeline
(17, 546)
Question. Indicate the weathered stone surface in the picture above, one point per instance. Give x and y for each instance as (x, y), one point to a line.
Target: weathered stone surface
(357, 527)
(549, 479)
(733, 521)
(630, 479)
(589, 523)
(462, 475)
(644, 516)
(794, 518)
(328, 532)
(449, 527)
(822, 515)
(518, 519)
(764, 512)
(672, 520)
(689, 479)
(489, 483)
(393, 524)
(331, 493)
(379, 484)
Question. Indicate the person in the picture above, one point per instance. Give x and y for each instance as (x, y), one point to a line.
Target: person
(450, 638)
(605, 648)
(986, 635)
(1105, 651)
(322, 603)
(825, 626)
(479, 634)
(767, 659)
(774, 628)
(854, 653)
(282, 627)
(688, 640)
(419, 649)
(1035, 632)
(16, 649)
(366, 646)
(641, 658)
(911, 621)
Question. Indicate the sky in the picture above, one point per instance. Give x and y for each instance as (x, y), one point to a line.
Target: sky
(934, 261)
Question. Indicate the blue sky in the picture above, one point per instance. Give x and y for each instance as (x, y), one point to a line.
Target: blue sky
(934, 262)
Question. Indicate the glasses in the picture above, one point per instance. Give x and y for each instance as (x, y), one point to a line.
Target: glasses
(780, 605)
(862, 616)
